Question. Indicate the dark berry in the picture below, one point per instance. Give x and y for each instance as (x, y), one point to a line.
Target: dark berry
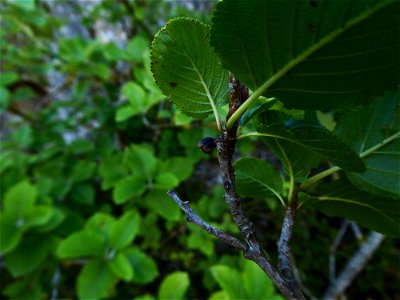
(207, 144)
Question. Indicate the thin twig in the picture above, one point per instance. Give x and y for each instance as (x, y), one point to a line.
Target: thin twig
(285, 261)
(354, 266)
(195, 219)
(226, 147)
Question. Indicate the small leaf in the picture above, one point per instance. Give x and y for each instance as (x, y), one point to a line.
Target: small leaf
(7, 78)
(166, 181)
(341, 199)
(145, 268)
(128, 187)
(364, 130)
(38, 215)
(20, 261)
(257, 285)
(81, 244)
(136, 47)
(95, 280)
(174, 286)
(186, 68)
(20, 199)
(124, 230)
(229, 280)
(257, 178)
(158, 201)
(140, 159)
(121, 267)
(10, 233)
(125, 112)
(135, 94)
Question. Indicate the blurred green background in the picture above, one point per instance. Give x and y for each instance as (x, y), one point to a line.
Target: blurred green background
(89, 148)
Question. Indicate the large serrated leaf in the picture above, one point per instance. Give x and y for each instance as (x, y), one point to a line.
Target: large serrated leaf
(311, 54)
(314, 143)
(257, 178)
(186, 68)
(374, 132)
(374, 212)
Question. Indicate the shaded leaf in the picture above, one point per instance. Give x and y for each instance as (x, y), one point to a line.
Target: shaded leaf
(364, 130)
(374, 212)
(257, 178)
(316, 142)
(333, 54)
(145, 268)
(95, 280)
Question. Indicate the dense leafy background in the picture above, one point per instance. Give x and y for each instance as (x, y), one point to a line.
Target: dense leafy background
(91, 145)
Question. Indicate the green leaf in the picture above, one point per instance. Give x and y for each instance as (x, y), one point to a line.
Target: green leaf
(310, 54)
(20, 199)
(221, 295)
(256, 284)
(317, 141)
(255, 111)
(257, 178)
(158, 201)
(23, 289)
(180, 167)
(38, 215)
(201, 240)
(95, 280)
(124, 230)
(374, 132)
(174, 286)
(140, 159)
(125, 112)
(136, 96)
(128, 187)
(4, 98)
(145, 268)
(229, 280)
(136, 47)
(10, 233)
(100, 224)
(121, 267)
(21, 262)
(81, 244)
(7, 78)
(166, 181)
(83, 170)
(83, 194)
(186, 68)
(27, 4)
(341, 199)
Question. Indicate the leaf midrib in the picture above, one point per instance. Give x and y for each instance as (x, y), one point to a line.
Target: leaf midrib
(300, 58)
